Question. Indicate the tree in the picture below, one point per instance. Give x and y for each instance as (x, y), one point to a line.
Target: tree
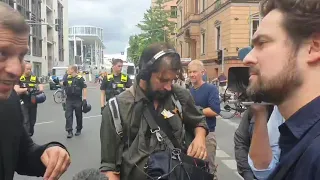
(155, 27)
(156, 24)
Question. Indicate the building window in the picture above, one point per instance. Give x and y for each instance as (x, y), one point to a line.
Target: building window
(254, 26)
(181, 19)
(203, 43)
(203, 5)
(196, 7)
(218, 39)
(173, 12)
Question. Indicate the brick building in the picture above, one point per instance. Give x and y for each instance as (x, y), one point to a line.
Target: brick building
(206, 26)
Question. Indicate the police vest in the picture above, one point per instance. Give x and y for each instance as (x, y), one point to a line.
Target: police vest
(31, 83)
(73, 86)
(115, 88)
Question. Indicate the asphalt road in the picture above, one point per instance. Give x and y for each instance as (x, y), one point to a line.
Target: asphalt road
(85, 149)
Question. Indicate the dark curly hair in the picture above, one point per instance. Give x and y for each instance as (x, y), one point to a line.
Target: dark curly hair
(170, 61)
(301, 17)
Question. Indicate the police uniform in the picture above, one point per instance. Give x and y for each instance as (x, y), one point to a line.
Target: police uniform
(73, 88)
(29, 109)
(114, 85)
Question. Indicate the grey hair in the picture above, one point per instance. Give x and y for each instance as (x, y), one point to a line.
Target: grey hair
(90, 174)
(12, 20)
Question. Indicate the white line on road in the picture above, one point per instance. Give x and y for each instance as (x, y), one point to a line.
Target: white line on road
(49, 122)
(221, 154)
(88, 117)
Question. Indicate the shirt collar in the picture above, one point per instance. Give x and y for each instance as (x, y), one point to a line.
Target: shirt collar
(138, 93)
(302, 120)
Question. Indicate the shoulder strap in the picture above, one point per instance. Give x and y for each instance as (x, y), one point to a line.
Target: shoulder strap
(156, 123)
(305, 142)
(114, 108)
(177, 104)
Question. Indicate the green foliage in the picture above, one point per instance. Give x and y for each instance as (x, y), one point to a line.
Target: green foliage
(155, 27)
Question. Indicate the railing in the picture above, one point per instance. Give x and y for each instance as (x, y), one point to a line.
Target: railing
(49, 3)
(50, 38)
(217, 5)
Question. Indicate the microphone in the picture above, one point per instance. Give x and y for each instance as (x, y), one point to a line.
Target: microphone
(90, 174)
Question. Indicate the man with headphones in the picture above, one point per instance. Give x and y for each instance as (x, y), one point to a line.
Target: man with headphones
(114, 83)
(127, 138)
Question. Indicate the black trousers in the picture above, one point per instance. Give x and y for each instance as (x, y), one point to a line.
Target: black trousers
(30, 117)
(76, 106)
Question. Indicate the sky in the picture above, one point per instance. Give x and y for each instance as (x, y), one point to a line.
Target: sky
(118, 18)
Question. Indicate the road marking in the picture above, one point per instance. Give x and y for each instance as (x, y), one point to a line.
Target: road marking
(47, 122)
(88, 117)
(230, 163)
(236, 172)
(222, 154)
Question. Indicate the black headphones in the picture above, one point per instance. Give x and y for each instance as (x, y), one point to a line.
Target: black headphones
(145, 72)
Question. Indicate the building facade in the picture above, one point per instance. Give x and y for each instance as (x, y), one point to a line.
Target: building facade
(47, 45)
(86, 45)
(207, 26)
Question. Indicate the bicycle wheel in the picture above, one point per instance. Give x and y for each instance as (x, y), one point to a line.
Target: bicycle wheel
(58, 96)
(227, 110)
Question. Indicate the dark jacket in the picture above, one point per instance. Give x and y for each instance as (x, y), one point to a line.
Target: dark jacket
(129, 155)
(242, 141)
(18, 153)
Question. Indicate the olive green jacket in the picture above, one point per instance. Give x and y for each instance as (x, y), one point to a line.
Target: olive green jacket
(117, 155)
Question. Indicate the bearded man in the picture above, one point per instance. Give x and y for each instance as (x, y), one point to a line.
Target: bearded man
(283, 65)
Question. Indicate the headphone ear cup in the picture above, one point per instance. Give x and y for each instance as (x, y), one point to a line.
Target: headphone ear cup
(145, 75)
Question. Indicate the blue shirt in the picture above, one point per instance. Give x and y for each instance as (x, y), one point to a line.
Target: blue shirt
(274, 122)
(294, 130)
(206, 96)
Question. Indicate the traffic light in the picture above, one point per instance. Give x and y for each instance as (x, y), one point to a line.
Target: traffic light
(58, 24)
(220, 56)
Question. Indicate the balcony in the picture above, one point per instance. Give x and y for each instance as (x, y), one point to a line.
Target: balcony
(50, 22)
(213, 8)
(50, 39)
(49, 5)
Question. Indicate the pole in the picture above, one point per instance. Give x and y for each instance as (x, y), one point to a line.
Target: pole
(164, 35)
(222, 63)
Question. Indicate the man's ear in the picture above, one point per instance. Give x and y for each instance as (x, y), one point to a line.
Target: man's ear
(314, 51)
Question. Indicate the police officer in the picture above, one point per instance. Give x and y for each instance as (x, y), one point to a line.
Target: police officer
(27, 85)
(114, 83)
(76, 90)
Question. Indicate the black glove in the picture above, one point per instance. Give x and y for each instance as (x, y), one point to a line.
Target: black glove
(102, 108)
(84, 102)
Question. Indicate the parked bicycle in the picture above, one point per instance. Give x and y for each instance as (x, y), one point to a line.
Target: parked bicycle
(231, 104)
(59, 96)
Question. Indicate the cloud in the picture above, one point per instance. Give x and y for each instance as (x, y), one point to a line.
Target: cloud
(118, 18)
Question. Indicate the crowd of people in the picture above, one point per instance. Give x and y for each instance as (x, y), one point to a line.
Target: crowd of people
(156, 129)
